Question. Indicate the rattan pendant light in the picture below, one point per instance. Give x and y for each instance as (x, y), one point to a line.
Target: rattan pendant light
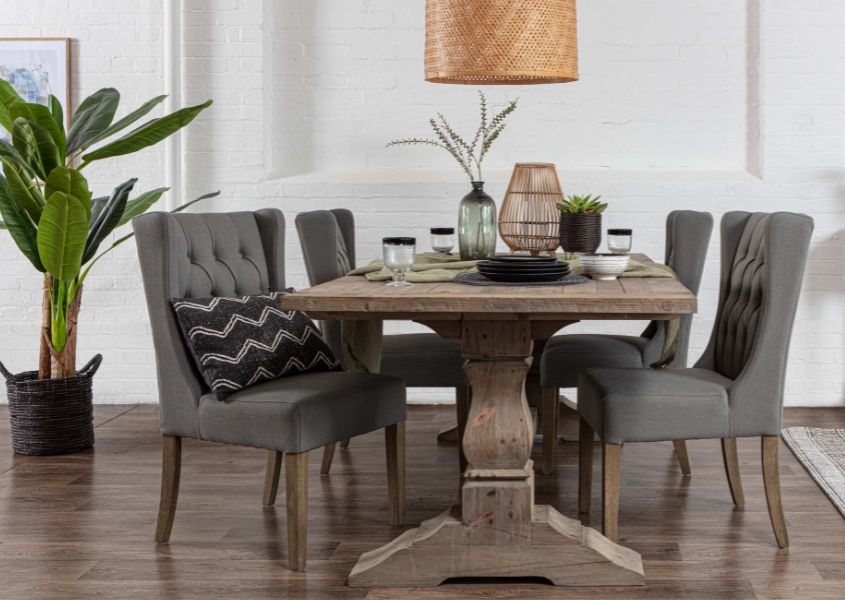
(498, 42)
(529, 219)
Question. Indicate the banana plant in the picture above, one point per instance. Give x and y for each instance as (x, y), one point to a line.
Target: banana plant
(48, 208)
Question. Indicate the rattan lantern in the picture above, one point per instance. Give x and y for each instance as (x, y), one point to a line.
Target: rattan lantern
(492, 42)
(529, 219)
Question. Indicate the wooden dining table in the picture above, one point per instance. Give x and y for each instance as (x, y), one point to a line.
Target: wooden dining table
(498, 530)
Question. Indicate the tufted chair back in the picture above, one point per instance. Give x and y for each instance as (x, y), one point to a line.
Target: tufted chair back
(763, 259)
(687, 238)
(327, 238)
(200, 256)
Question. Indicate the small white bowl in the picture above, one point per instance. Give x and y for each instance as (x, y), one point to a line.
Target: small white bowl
(604, 267)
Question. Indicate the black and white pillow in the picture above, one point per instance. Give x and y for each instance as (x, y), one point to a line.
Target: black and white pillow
(238, 342)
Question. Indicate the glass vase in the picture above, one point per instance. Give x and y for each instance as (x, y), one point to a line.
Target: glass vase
(477, 224)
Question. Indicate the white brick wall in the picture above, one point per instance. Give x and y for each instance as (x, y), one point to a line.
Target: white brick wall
(715, 105)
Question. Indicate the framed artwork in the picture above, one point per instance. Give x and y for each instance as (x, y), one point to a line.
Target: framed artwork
(36, 68)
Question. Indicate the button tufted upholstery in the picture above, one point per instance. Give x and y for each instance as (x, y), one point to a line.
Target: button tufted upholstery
(238, 254)
(421, 360)
(763, 260)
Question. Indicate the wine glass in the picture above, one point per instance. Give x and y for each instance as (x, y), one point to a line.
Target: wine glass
(399, 254)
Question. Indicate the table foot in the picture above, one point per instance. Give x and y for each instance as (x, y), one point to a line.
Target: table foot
(559, 549)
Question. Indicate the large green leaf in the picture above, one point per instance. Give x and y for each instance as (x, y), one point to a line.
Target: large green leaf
(62, 232)
(36, 146)
(92, 117)
(41, 116)
(138, 206)
(19, 225)
(179, 209)
(127, 120)
(69, 181)
(24, 190)
(8, 98)
(57, 112)
(97, 206)
(148, 134)
(8, 151)
(108, 219)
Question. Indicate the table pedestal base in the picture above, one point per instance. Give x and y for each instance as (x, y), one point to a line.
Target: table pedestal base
(558, 549)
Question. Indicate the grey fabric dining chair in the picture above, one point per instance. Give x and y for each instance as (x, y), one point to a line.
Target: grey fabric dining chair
(736, 387)
(327, 238)
(239, 254)
(565, 356)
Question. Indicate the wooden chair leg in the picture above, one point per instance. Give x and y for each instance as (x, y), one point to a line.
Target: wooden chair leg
(771, 481)
(551, 410)
(171, 469)
(731, 458)
(271, 477)
(326, 463)
(585, 465)
(683, 456)
(611, 454)
(462, 402)
(394, 441)
(296, 488)
(345, 443)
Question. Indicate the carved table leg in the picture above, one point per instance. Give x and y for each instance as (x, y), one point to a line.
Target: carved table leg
(498, 532)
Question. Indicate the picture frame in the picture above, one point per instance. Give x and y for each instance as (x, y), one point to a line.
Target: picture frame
(37, 67)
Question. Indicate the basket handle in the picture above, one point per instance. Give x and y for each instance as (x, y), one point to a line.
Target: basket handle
(5, 372)
(91, 366)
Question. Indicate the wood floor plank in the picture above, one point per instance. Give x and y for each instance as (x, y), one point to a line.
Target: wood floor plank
(81, 526)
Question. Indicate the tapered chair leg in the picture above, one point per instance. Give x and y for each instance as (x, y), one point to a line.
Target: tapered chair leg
(550, 425)
(462, 402)
(683, 456)
(326, 463)
(731, 459)
(271, 477)
(585, 465)
(771, 481)
(296, 488)
(394, 440)
(171, 469)
(611, 455)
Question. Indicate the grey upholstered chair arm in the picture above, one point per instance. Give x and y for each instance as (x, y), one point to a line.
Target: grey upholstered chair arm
(179, 385)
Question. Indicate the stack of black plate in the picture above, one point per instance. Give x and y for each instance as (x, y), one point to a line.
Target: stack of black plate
(518, 268)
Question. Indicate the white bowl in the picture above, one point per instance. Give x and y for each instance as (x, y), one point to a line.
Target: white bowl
(604, 267)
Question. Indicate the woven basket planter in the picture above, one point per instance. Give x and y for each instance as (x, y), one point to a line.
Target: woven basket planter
(580, 232)
(51, 416)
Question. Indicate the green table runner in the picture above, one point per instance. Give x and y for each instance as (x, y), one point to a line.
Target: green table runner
(362, 339)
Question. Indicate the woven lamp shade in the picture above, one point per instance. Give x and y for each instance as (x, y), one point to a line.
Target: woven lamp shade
(529, 219)
(500, 41)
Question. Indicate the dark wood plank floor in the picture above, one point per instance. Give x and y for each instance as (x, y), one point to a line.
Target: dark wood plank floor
(81, 526)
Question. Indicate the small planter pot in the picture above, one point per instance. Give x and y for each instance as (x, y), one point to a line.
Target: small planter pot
(51, 416)
(580, 232)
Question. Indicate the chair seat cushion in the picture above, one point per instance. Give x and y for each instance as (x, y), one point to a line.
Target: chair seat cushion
(303, 412)
(647, 405)
(237, 342)
(424, 360)
(565, 356)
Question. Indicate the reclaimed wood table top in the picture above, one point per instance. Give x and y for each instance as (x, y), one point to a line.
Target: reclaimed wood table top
(354, 297)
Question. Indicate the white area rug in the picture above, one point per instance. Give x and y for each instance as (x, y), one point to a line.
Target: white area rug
(822, 452)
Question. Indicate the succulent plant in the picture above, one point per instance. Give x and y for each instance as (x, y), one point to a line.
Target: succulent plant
(582, 205)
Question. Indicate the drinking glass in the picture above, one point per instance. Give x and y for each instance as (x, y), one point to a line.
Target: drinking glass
(399, 254)
(619, 241)
(442, 239)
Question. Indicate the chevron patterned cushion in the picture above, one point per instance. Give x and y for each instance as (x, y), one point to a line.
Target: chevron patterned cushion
(238, 342)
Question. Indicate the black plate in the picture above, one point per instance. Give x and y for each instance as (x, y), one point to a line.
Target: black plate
(518, 266)
(521, 258)
(542, 272)
(524, 277)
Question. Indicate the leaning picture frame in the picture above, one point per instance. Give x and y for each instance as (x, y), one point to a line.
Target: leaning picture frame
(36, 68)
